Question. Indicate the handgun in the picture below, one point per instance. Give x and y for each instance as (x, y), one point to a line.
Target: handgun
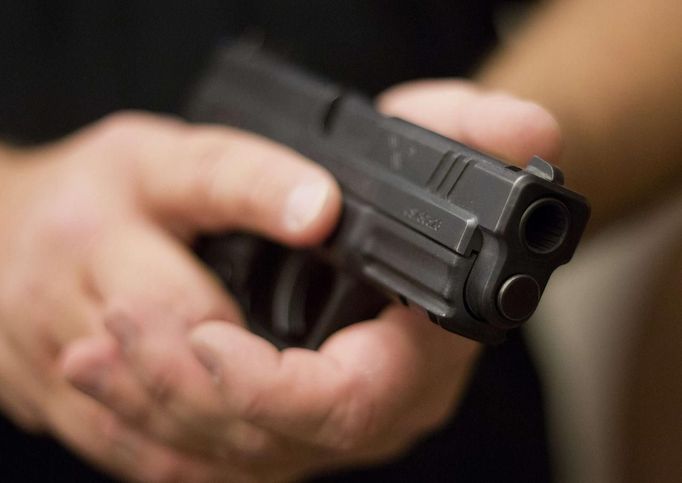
(426, 220)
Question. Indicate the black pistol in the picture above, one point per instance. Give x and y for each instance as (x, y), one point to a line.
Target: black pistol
(426, 220)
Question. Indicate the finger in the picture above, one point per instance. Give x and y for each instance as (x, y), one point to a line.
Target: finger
(493, 122)
(90, 431)
(183, 407)
(417, 369)
(52, 309)
(292, 392)
(28, 350)
(92, 366)
(19, 389)
(219, 178)
(96, 368)
(149, 311)
(153, 291)
(141, 271)
(329, 397)
(97, 435)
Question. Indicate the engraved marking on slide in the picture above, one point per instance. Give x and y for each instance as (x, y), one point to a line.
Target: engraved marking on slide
(398, 155)
(423, 218)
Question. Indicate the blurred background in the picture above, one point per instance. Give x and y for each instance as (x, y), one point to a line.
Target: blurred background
(608, 340)
(608, 334)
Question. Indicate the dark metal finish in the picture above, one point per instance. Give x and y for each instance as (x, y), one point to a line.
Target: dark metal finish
(457, 233)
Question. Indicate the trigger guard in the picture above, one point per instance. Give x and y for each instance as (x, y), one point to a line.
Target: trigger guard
(310, 300)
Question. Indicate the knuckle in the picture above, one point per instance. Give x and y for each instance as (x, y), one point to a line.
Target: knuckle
(126, 120)
(243, 166)
(161, 381)
(260, 194)
(116, 128)
(129, 312)
(139, 308)
(257, 195)
(122, 131)
(205, 189)
(137, 414)
(71, 219)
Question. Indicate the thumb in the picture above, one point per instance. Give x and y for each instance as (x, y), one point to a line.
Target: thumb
(215, 178)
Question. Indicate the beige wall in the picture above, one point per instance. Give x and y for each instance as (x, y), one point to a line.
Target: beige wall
(586, 335)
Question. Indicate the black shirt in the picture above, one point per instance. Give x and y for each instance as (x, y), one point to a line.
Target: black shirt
(64, 64)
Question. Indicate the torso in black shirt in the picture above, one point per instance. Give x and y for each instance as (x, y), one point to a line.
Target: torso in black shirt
(66, 63)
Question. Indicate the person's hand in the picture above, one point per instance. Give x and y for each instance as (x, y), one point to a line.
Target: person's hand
(93, 227)
(263, 415)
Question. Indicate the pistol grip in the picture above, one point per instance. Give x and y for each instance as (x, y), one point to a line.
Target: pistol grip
(311, 301)
(291, 298)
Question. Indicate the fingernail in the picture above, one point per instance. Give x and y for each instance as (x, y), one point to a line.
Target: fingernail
(207, 357)
(123, 329)
(305, 204)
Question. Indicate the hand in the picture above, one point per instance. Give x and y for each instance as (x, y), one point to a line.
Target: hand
(95, 226)
(369, 392)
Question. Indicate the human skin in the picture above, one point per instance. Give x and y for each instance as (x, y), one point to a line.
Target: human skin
(610, 72)
(100, 220)
(210, 400)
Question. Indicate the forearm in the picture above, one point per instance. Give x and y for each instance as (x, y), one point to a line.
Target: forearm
(610, 71)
